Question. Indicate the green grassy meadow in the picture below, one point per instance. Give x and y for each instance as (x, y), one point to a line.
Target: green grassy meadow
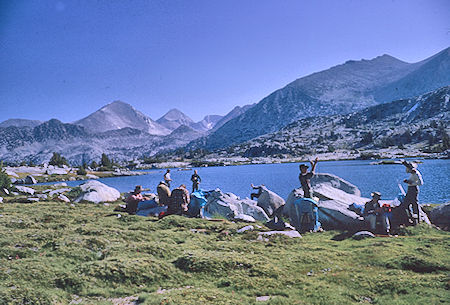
(55, 253)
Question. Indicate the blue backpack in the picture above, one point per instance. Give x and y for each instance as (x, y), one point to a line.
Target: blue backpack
(198, 201)
(304, 215)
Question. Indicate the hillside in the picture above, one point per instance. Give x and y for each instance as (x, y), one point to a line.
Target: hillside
(420, 122)
(342, 89)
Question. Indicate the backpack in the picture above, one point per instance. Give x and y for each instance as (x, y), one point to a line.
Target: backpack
(304, 215)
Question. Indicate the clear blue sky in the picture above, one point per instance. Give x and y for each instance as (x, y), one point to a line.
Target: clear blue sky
(66, 59)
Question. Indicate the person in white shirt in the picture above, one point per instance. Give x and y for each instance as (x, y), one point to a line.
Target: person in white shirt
(411, 199)
(167, 178)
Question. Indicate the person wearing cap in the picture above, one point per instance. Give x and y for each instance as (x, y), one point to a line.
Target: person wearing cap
(305, 177)
(371, 209)
(134, 198)
(413, 182)
(167, 178)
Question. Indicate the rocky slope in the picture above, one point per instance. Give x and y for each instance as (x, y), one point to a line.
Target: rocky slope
(342, 89)
(421, 121)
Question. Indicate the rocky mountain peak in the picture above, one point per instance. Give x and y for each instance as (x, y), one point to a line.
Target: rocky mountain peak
(118, 115)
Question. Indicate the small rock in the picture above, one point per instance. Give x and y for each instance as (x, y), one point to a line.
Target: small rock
(58, 191)
(292, 234)
(63, 198)
(72, 179)
(260, 238)
(15, 193)
(106, 204)
(263, 298)
(243, 217)
(1, 199)
(42, 196)
(60, 184)
(363, 234)
(6, 191)
(246, 228)
(33, 199)
(91, 176)
(26, 190)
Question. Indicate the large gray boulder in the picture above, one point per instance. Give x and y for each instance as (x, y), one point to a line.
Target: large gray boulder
(95, 191)
(335, 196)
(30, 180)
(231, 206)
(334, 181)
(440, 216)
(269, 201)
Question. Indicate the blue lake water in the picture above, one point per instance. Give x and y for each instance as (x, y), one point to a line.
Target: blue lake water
(283, 178)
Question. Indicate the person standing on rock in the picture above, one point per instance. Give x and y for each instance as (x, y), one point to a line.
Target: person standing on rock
(411, 198)
(195, 178)
(259, 188)
(305, 177)
(167, 178)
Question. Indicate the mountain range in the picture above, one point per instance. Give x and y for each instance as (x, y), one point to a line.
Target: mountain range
(345, 88)
(417, 123)
(125, 133)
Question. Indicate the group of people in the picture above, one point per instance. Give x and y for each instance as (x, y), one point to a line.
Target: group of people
(406, 213)
(374, 211)
(176, 200)
(387, 215)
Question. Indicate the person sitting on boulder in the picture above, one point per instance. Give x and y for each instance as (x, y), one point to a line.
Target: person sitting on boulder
(163, 193)
(179, 200)
(372, 210)
(259, 188)
(414, 181)
(195, 178)
(134, 198)
(305, 177)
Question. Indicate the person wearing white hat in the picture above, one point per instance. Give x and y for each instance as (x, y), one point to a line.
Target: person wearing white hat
(411, 198)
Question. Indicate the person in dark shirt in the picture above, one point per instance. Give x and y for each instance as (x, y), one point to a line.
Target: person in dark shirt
(258, 193)
(195, 178)
(305, 177)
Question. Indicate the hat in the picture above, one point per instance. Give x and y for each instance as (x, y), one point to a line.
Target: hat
(303, 166)
(409, 165)
(138, 188)
(375, 194)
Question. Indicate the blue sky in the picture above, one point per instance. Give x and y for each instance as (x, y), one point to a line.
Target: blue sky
(66, 59)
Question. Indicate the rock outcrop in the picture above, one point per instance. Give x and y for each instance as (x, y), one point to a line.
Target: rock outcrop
(440, 216)
(231, 206)
(95, 191)
(269, 201)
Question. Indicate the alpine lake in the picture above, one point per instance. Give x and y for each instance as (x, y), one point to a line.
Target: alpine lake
(282, 178)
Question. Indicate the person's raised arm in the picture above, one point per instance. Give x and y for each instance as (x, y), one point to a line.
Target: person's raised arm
(313, 164)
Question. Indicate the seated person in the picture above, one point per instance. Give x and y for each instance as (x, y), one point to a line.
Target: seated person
(372, 210)
(179, 201)
(164, 193)
(134, 198)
